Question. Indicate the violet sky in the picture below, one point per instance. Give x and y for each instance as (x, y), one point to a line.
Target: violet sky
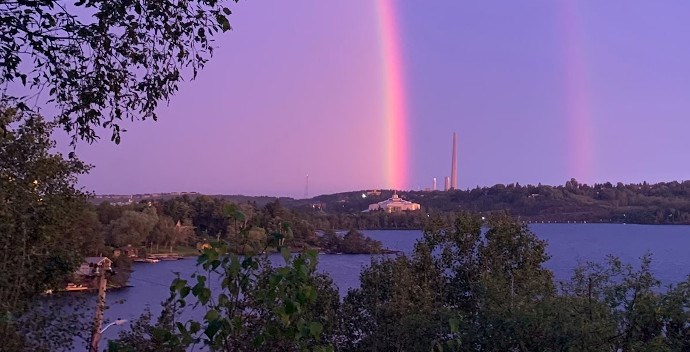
(538, 91)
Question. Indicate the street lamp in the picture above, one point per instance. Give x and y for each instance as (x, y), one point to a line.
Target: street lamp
(116, 322)
(96, 338)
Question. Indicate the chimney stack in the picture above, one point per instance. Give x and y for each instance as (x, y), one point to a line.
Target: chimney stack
(306, 188)
(446, 185)
(454, 165)
(433, 188)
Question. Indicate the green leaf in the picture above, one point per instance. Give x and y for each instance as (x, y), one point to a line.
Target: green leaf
(259, 340)
(234, 268)
(227, 11)
(285, 252)
(223, 22)
(212, 329)
(315, 328)
(290, 307)
(184, 292)
(212, 315)
(178, 284)
(201, 259)
(454, 325)
(223, 299)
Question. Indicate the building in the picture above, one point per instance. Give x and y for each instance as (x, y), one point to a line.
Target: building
(374, 193)
(94, 265)
(454, 164)
(318, 206)
(393, 205)
(128, 251)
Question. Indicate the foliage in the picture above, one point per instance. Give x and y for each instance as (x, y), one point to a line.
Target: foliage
(103, 61)
(41, 219)
(470, 289)
(146, 336)
(256, 307)
(353, 242)
(245, 227)
(469, 285)
(132, 228)
(61, 323)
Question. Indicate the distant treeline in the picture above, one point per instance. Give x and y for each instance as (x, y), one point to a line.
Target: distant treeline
(641, 203)
(162, 225)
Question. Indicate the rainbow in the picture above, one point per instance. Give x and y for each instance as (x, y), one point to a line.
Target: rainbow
(394, 110)
(577, 103)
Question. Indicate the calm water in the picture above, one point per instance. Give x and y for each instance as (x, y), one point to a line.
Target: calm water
(568, 245)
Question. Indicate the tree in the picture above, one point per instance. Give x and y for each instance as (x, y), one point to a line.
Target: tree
(354, 242)
(179, 208)
(108, 212)
(103, 61)
(486, 291)
(163, 233)
(88, 233)
(396, 308)
(210, 216)
(330, 241)
(256, 308)
(133, 228)
(40, 208)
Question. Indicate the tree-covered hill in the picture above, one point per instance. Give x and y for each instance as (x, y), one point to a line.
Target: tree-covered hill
(642, 203)
(661, 203)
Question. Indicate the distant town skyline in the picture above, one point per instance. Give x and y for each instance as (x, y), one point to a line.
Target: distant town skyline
(537, 92)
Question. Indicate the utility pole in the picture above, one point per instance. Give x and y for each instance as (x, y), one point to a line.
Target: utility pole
(96, 334)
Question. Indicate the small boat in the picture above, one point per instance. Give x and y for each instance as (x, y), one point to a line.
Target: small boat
(74, 287)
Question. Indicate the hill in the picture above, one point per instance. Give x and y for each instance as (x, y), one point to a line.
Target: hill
(643, 203)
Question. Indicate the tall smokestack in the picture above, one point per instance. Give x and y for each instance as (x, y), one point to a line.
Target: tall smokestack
(446, 185)
(434, 185)
(306, 188)
(454, 165)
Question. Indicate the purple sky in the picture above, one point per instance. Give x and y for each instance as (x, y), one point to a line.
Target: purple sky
(538, 91)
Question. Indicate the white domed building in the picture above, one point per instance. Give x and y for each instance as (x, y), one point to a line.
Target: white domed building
(394, 204)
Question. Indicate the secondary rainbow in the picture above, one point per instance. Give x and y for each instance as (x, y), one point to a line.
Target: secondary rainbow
(577, 100)
(394, 109)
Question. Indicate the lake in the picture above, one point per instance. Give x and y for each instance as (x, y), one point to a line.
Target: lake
(568, 245)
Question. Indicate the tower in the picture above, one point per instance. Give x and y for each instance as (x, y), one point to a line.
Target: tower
(433, 188)
(306, 188)
(446, 185)
(454, 165)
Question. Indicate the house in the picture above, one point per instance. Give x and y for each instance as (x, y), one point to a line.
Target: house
(318, 206)
(93, 266)
(128, 251)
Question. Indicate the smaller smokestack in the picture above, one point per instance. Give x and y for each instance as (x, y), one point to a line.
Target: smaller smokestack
(446, 185)
(454, 164)
(433, 188)
(306, 188)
